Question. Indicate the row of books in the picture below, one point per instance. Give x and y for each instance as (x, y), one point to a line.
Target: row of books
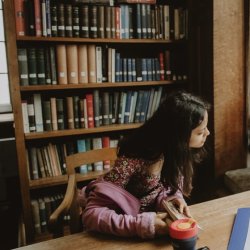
(42, 208)
(82, 64)
(95, 109)
(57, 19)
(49, 160)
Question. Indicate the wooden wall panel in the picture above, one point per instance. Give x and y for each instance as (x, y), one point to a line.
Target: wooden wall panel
(229, 88)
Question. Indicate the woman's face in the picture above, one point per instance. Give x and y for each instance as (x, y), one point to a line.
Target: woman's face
(199, 134)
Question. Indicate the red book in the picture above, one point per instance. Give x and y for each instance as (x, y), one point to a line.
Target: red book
(161, 60)
(106, 144)
(19, 16)
(90, 110)
(117, 22)
(38, 18)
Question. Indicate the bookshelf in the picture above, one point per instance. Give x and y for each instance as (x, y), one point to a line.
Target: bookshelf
(185, 74)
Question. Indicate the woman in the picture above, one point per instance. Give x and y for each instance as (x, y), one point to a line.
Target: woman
(154, 163)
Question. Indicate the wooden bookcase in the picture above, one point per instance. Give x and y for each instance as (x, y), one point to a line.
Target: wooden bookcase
(202, 78)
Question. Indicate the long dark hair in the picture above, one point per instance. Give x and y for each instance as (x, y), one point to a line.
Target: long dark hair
(167, 133)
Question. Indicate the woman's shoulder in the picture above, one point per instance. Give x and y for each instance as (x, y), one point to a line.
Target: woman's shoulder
(130, 162)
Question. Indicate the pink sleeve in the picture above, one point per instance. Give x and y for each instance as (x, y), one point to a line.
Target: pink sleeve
(106, 220)
(164, 195)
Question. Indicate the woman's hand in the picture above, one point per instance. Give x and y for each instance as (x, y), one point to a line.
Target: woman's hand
(182, 206)
(161, 227)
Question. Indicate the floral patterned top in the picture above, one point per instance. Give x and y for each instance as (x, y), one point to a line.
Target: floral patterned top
(132, 175)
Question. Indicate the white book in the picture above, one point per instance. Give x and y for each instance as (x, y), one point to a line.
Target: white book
(26, 127)
(98, 64)
(113, 65)
(166, 33)
(38, 112)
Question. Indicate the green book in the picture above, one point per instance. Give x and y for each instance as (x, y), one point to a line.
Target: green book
(40, 57)
(32, 66)
(47, 116)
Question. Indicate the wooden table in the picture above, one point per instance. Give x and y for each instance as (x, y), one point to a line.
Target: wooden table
(215, 217)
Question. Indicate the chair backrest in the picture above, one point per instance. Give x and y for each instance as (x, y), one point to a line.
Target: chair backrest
(69, 203)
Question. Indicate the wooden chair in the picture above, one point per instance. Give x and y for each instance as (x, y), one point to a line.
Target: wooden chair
(70, 204)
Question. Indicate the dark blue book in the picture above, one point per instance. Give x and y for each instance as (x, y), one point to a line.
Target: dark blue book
(127, 107)
(144, 70)
(125, 69)
(133, 70)
(117, 67)
(149, 69)
(129, 71)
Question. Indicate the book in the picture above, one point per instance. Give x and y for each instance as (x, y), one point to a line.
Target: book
(53, 113)
(61, 57)
(40, 57)
(91, 51)
(97, 144)
(19, 17)
(81, 147)
(172, 211)
(70, 112)
(38, 112)
(68, 20)
(35, 215)
(31, 114)
(26, 128)
(32, 66)
(23, 66)
(82, 63)
(240, 235)
(72, 63)
(47, 119)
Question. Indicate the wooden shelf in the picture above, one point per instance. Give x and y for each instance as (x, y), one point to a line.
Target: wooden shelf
(81, 131)
(63, 179)
(96, 85)
(96, 40)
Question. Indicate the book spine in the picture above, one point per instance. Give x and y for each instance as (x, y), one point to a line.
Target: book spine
(62, 64)
(40, 66)
(47, 115)
(82, 64)
(91, 63)
(53, 11)
(76, 111)
(31, 114)
(38, 112)
(90, 110)
(26, 128)
(60, 20)
(84, 21)
(68, 20)
(19, 17)
(75, 21)
(70, 112)
(81, 147)
(32, 66)
(23, 66)
(53, 113)
(72, 64)
(38, 18)
(60, 113)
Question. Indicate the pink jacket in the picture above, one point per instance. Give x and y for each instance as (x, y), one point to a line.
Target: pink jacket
(111, 209)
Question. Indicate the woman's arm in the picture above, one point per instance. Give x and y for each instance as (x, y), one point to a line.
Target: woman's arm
(105, 220)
